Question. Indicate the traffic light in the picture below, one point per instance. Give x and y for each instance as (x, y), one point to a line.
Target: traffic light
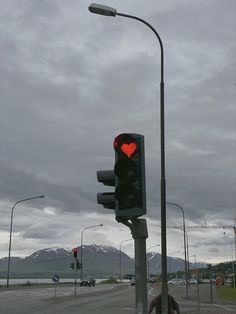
(130, 191)
(72, 265)
(75, 252)
(128, 177)
(78, 265)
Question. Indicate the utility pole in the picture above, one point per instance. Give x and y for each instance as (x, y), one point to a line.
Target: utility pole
(139, 233)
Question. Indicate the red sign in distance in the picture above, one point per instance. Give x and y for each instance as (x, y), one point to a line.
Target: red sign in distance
(75, 250)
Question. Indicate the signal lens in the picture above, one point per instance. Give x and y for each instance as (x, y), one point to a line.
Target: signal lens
(126, 170)
(127, 196)
(125, 144)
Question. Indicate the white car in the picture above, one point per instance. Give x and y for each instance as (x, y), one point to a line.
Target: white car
(132, 281)
(176, 282)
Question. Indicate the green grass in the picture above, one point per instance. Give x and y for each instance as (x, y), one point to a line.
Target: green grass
(227, 293)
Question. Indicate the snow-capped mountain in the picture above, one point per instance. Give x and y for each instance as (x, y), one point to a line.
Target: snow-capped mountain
(174, 264)
(98, 261)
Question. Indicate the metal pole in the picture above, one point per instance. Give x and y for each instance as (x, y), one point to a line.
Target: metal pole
(120, 262)
(235, 240)
(211, 289)
(233, 273)
(108, 11)
(150, 258)
(141, 276)
(164, 290)
(9, 250)
(233, 270)
(81, 255)
(185, 251)
(139, 233)
(55, 289)
(75, 270)
(198, 296)
(187, 259)
(81, 248)
(120, 256)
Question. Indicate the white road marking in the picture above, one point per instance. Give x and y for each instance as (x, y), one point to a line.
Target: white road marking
(224, 307)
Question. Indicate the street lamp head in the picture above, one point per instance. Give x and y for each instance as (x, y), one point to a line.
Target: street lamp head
(102, 9)
(101, 225)
(41, 196)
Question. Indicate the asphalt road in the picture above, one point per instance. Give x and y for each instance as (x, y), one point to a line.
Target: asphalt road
(103, 299)
(99, 299)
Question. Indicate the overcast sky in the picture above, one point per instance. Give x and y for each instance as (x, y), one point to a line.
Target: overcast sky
(71, 81)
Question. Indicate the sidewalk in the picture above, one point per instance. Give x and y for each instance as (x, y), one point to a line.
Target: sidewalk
(190, 305)
(191, 308)
(219, 306)
(210, 311)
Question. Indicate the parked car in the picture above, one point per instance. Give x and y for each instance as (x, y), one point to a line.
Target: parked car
(89, 282)
(152, 280)
(132, 281)
(193, 281)
(205, 280)
(176, 282)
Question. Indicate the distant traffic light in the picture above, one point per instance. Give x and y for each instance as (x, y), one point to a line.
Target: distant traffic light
(78, 265)
(75, 252)
(72, 265)
(130, 183)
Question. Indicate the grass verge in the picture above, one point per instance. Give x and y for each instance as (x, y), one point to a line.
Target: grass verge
(227, 293)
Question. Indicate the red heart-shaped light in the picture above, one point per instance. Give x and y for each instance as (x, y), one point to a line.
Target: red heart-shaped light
(128, 149)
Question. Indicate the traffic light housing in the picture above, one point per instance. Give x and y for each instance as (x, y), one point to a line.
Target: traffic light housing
(75, 252)
(72, 265)
(78, 265)
(107, 199)
(130, 182)
(128, 177)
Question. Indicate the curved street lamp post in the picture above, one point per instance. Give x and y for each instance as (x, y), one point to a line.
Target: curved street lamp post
(81, 247)
(108, 11)
(176, 252)
(185, 250)
(120, 255)
(9, 251)
(150, 257)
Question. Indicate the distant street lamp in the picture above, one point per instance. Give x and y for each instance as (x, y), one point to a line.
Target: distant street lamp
(120, 255)
(195, 260)
(9, 252)
(177, 252)
(150, 258)
(233, 268)
(81, 248)
(185, 251)
(109, 11)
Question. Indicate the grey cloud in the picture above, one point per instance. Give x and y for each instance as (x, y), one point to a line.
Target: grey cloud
(213, 250)
(72, 81)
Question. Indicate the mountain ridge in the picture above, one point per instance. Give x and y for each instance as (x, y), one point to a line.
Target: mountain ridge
(98, 261)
